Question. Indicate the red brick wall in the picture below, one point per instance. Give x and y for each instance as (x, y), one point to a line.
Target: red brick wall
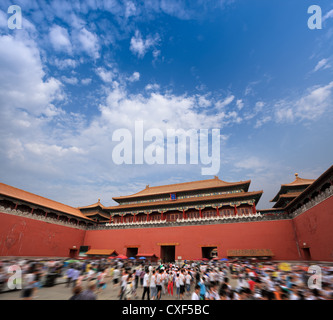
(275, 235)
(315, 228)
(20, 236)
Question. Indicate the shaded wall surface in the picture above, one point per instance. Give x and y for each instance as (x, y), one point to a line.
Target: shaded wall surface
(314, 230)
(189, 240)
(20, 236)
(308, 235)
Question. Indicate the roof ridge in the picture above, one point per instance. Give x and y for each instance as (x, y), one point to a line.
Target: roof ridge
(36, 195)
(181, 201)
(38, 200)
(141, 192)
(189, 182)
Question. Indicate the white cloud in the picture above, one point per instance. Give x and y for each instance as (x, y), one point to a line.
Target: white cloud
(328, 15)
(251, 163)
(204, 102)
(105, 75)
(86, 81)
(322, 64)
(3, 20)
(60, 39)
(315, 103)
(225, 102)
(46, 150)
(88, 42)
(309, 107)
(130, 9)
(70, 80)
(134, 77)
(156, 53)
(284, 113)
(259, 106)
(22, 79)
(240, 104)
(152, 86)
(140, 46)
(262, 121)
(65, 63)
(175, 8)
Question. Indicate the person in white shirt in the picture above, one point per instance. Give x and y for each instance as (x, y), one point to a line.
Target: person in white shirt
(164, 282)
(146, 286)
(159, 284)
(177, 283)
(212, 276)
(294, 293)
(153, 290)
(242, 283)
(123, 284)
(188, 279)
(181, 284)
(214, 294)
(116, 274)
(196, 293)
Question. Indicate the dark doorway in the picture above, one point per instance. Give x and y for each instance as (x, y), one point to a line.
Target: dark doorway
(168, 253)
(73, 253)
(131, 252)
(306, 253)
(209, 252)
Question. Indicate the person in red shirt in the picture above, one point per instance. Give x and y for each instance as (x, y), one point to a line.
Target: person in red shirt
(252, 284)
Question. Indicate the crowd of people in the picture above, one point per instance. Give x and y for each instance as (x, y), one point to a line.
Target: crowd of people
(231, 281)
(194, 280)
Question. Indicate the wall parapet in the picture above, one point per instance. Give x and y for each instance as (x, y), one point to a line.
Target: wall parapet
(41, 218)
(313, 202)
(191, 221)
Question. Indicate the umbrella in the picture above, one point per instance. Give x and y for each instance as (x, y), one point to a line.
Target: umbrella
(285, 266)
(121, 257)
(224, 259)
(111, 257)
(142, 258)
(72, 261)
(132, 258)
(205, 259)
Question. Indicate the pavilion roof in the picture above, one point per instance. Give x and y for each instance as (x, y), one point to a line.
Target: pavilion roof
(146, 255)
(97, 213)
(297, 183)
(100, 252)
(286, 197)
(311, 188)
(256, 194)
(183, 187)
(94, 205)
(31, 198)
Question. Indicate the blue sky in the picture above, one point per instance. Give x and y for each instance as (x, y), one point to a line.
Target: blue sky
(78, 71)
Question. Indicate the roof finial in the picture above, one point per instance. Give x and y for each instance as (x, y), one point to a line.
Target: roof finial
(147, 186)
(216, 177)
(99, 200)
(296, 175)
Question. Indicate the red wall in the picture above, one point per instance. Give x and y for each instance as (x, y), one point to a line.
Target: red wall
(21, 236)
(275, 235)
(315, 228)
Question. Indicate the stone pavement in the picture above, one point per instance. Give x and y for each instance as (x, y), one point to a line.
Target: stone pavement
(61, 292)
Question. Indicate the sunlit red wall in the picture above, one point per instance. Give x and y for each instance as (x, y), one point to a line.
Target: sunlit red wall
(314, 229)
(21, 236)
(275, 235)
